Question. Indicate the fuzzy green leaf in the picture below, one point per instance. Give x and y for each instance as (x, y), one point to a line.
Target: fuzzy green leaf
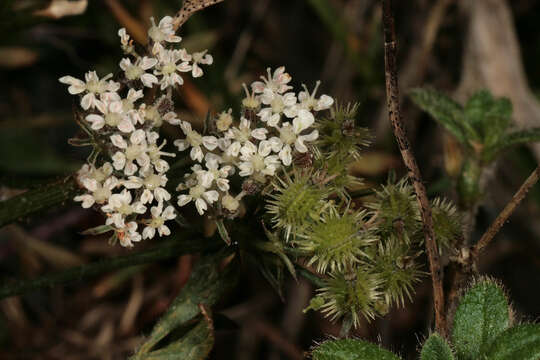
(522, 342)
(195, 345)
(205, 286)
(351, 349)
(436, 348)
(36, 200)
(482, 314)
(444, 110)
(489, 117)
(515, 138)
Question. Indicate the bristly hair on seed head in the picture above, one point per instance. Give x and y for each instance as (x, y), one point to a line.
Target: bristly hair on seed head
(296, 202)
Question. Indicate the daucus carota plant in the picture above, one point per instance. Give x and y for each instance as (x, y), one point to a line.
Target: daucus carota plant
(273, 181)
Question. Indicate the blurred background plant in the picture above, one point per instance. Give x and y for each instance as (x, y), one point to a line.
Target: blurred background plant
(442, 44)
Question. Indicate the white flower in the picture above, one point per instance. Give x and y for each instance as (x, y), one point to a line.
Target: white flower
(201, 196)
(93, 86)
(289, 136)
(214, 173)
(119, 206)
(224, 120)
(154, 187)
(127, 234)
(278, 104)
(309, 102)
(200, 58)
(112, 115)
(230, 203)
(276, 83)
(127, 45)
(243, 134)
(135, 150)
(99, 192)
(138, 70)
(164, 31)
(257, 160)
(168, 68)
(251, 101)
(159, 217)
(195, 140)
(155, 153)
(99, 174)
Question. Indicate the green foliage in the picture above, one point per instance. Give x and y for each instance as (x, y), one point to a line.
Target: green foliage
(36, 200)
(206, 286)
(195, 345)
(483, 129)
(436, 348)
(482, 314)
(522, 342)
(350, 349)
(444, 110)
(482, 126)
(480, 332)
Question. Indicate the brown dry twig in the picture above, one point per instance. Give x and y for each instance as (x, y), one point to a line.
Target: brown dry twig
(394, 114)
(189, 7)
(505, 213)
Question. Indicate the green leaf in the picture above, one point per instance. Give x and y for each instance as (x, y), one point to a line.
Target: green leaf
(488, 116)
(351, 349)
(35, 200)
(482, 314)
(195, 345)
(444, 110)
(205, 286)
(98, 230)
(515, 138)
(436, 348)
(522, 342)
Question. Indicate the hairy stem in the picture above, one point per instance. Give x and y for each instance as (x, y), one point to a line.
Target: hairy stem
(36, 200)
(170, 249)
(394, 114)
(189, 7)
(505, 213)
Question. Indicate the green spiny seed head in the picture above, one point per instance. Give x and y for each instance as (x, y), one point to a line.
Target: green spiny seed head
(396, 210)
(296, 203)
(337, 242)
(338, 134)
(394, 263)
(447, 223)
(336, 170)
(351, 295)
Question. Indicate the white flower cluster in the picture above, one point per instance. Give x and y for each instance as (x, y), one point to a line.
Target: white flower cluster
(276, 124)
(123, 121)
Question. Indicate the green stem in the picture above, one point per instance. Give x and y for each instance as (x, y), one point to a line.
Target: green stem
(37, 199)
(169, 249)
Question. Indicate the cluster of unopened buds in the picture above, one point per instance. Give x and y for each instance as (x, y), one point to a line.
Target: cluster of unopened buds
(127, 181)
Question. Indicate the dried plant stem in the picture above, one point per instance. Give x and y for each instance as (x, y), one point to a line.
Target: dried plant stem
(189, 7)
(394, 114)
(505, 213)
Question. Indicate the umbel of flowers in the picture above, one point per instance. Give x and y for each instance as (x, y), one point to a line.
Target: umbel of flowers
(126, 176)
(284, 145)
